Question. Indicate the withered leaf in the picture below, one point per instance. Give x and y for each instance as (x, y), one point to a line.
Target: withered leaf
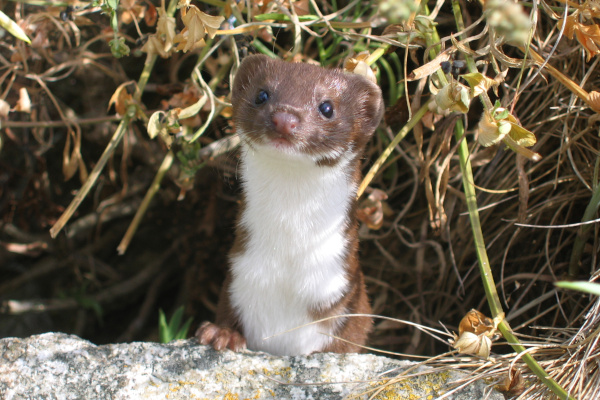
(587, 35)
(121, 98)
(475, 322)
(197, 26)
(430, 67)
(371, 210)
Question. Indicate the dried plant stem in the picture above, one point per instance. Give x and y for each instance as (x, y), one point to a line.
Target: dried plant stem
(164, 167)
(388, 150)
(565, 80)
(112, 145)
(58, 124)
(169, 157)
(401, 135)
(91, 180)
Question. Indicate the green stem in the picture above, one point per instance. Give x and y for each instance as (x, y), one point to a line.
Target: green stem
(144, 76)
(484, 263)
(486, 272)
(471, 199)
(216, 3)
(283, 17)
(536, 368)
(460, 25)
(393, 89)
(263, 49)
(584, 231)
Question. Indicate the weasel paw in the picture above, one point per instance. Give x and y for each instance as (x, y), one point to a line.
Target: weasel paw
(220, 338)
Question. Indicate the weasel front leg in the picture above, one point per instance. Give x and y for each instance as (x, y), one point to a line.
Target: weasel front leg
(219, 337)
(223, 333)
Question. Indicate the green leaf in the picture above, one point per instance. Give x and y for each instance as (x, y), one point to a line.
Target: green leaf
(118, 48)
(465, 99)
(478, 82)
(176, 320)
(163, 328)
(114, 21)
(454, 96)
(521, 135)
(182, 333)
(173, 330)
(13, 28)
(586, 287)
(90, 304)
(114, 4)
(500, 115)
(504, 128)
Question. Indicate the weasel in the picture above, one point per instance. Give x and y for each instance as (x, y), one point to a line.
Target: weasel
(294, 260)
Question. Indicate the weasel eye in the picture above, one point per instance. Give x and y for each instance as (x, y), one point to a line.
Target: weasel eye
(261, 97)
(326, 109)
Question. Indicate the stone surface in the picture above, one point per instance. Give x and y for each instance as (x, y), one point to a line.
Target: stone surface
(60, 366)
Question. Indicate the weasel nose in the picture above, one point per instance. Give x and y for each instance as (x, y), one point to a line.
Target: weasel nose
(285, 123)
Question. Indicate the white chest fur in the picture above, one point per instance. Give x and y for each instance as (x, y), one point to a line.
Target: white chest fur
(293, 261)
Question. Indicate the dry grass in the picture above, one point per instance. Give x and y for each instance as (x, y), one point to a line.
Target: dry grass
(421, 264)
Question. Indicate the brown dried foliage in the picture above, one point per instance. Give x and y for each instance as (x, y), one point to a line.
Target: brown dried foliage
(420, 264)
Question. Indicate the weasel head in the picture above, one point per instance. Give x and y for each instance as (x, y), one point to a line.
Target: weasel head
(302, 110)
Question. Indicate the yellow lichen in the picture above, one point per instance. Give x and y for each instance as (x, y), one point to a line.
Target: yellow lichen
(412, 387)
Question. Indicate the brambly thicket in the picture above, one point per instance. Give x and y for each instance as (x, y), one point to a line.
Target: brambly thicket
(479, 205)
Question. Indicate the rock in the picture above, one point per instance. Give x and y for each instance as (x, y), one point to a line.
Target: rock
(60, 366)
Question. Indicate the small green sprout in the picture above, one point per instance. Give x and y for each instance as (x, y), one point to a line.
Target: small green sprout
(173, 330)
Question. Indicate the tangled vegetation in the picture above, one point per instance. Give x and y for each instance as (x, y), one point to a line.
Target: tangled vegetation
(481, 188)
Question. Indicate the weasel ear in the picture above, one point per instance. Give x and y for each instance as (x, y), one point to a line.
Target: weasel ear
(369, 104)
(249, 69)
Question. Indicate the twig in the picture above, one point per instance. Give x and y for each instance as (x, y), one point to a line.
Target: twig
(114, 292)
(57, 124)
